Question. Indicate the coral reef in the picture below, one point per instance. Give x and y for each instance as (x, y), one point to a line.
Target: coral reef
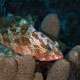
(68, 68)
(51, 25)
(18, 68)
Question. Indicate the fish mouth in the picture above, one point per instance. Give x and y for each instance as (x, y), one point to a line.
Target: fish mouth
(53, 56)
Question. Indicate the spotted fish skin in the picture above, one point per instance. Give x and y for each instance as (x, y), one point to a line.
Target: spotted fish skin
(26, 40)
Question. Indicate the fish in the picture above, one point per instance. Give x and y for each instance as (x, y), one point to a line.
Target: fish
(24, 39)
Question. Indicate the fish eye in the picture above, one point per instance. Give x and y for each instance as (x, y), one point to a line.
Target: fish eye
(48, 47)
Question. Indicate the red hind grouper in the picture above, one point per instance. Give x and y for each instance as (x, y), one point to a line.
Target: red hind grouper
(26, 40)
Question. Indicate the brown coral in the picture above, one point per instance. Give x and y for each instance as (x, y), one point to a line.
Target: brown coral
(7, 69)
(59, 70)
(18, 68)
(51, 25)
(26, 67)
(74, 58)
(66, 69)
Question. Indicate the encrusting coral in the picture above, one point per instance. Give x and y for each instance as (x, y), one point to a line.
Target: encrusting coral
(68, 68)
(51, 25)
(18, 68)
